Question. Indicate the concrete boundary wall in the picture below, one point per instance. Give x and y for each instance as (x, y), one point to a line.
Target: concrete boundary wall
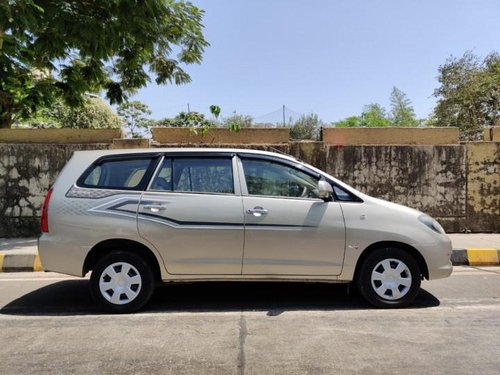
(458, 184)
(26, 173)
(483, 186)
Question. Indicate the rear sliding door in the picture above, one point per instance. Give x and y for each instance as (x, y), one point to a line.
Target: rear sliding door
(192, 213)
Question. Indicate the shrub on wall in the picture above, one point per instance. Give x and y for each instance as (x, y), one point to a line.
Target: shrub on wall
(95, 114)
(306, 127)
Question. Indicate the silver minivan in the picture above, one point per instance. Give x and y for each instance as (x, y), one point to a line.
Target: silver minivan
(136, 218)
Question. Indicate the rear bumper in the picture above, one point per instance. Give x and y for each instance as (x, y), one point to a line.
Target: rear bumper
(59, 256)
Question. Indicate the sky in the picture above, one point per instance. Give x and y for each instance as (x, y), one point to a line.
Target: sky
(328, 57)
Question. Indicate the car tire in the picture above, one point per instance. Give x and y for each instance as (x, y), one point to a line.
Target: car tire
(389, 278)
(121, 282)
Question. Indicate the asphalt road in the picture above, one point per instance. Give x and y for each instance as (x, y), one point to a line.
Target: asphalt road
(48, 325)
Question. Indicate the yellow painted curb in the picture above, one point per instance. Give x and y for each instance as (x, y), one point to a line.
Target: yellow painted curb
(37, 264)
(1, 261)
(482, 257)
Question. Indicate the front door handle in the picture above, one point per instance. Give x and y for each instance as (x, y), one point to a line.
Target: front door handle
(155, 207)
(257, 211)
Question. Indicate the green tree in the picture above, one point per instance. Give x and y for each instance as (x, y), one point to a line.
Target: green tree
(306, 127)
(63, 49)
(469, 94)
(374, 116)
(46, 117)
(349, 122)
(402, 112)
(215, 111)
(236, 121)
(186, 120)
(93, 114)
(135, 117)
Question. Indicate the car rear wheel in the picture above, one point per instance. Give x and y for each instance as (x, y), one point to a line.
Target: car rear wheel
(122, 282)
(389, 278)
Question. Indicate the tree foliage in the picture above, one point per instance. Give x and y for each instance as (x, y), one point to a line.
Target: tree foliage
(186, 120)
(469, 94)
(135, 117)
(349, 122)
(197, 120)
(402, 112)
(94, 113)
(236, 121)
(307, 127)
(46, 117)
(63, 49)
(373, 116)
(215, 111)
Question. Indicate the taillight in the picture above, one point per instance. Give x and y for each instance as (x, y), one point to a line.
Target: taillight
(45, 213)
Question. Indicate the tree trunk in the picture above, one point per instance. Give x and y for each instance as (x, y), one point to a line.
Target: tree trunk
(6, 122)
(6, 111)
(6, 117)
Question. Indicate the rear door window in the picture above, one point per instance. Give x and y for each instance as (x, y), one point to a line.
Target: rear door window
(197, 175)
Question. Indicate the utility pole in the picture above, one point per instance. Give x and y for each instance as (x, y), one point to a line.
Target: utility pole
(188, 109)
(283, 115)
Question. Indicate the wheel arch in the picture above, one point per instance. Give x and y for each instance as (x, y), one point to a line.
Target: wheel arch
(395, 244)
(104, 248)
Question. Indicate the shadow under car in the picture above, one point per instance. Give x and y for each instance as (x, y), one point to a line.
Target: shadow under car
(72, 297)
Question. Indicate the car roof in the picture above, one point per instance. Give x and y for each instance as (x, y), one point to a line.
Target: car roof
(190, 150)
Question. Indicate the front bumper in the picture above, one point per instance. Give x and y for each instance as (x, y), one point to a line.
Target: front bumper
(438, 258)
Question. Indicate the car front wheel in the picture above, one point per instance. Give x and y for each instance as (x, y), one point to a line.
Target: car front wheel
(122, 282)
(389, 278)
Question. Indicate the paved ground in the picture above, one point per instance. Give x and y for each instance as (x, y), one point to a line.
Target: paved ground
(48, 325)
(475, 240)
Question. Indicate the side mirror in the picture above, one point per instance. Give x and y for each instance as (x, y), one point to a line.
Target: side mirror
(325, 191)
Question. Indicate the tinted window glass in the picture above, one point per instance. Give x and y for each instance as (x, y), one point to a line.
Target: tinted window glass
(210, 175)
(163, 179)
(117, 174)
(273, 179)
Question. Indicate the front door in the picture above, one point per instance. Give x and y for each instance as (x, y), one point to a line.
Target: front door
(193, 214)
(288, 229)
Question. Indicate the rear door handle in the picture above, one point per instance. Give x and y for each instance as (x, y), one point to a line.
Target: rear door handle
(257, 211)
(155, 207)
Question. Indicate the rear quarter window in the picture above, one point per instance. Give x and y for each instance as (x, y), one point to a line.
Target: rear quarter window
(127, 174)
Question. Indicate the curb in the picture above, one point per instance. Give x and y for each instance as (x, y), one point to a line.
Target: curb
(475, 257)
(20, 263)
(459, 257)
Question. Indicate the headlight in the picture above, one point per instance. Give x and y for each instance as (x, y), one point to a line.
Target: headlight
(431, 223)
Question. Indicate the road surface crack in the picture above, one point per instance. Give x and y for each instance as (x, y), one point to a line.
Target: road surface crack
(242, 338)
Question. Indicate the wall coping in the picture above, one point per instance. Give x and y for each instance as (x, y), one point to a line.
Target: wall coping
(492, 134)
(59, 136)
(391, 136)
(167, 135)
